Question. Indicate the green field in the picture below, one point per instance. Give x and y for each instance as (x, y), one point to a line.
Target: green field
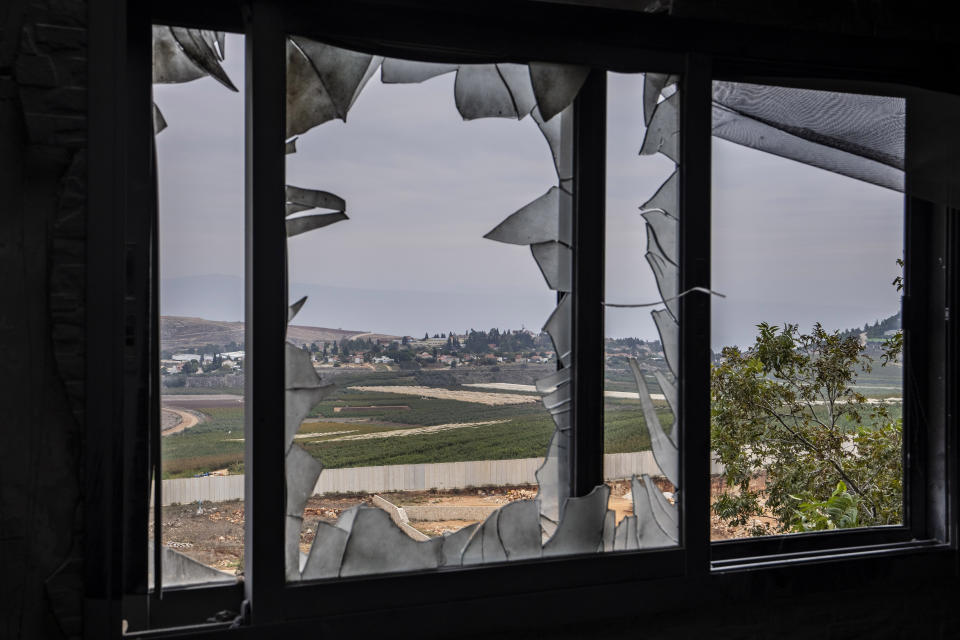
(524, 433)
(214, 444)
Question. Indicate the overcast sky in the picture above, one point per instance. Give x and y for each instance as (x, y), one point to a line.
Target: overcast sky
(791, 243)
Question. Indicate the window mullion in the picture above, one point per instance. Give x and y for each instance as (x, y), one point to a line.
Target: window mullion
(265, 312)
(694, 238)
(589, 170)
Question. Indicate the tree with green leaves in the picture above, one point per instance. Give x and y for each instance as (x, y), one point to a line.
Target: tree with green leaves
(787, 408)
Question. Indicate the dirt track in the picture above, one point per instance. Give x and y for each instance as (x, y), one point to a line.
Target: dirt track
(492, 399)
(187, 419)
(202, 400)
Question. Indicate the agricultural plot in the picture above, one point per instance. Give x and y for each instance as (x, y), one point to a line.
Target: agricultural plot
(430, 430)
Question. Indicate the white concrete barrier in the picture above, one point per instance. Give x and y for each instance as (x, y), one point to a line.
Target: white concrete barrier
(411, 477)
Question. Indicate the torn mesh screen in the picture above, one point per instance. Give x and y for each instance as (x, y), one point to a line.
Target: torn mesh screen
(859, 136)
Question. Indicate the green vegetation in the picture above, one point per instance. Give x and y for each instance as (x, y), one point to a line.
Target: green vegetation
(840, 511)
(789, 406)
(214, 444)
(525, 432)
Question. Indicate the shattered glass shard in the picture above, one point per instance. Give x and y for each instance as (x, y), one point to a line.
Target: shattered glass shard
(292, 547)
(304, 389)
(581, 528)
(663, 231)
(300, 373)
(489, 539)
(538, 221)
(666, 512)
(377, 545)
(480, 92)
(296, 226)
(667, 197)
(653, 86)
(180, 570)
(556, 264)
(295, 308)
(663, 134)
(558, 326)
(552, 132)
(159, 122)
(342, 72)
(170, 63)
(326, 552)
(556, 85)
(517, 79)
(666, 274)
(664, 450)
(669, 332)
(626, 536)
(394, 71)
(473, 549)
(290, 146)
(553, 477)
(302, 471)
(518, 528)
(454, 543)
(609, 530)
(669, 390)
(558, 399)
(202, 53)
(550, 382)
(314, 199)
(297, 405)
(653, 529)
(308, 103)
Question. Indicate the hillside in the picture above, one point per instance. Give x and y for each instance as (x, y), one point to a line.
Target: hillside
(178, 333)
(877, 329)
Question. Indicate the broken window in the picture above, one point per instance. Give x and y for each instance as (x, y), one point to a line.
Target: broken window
(342, 393)
(198, 116)
(355, 387)
(641, 417)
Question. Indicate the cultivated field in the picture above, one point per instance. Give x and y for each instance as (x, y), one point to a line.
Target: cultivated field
(442, 424)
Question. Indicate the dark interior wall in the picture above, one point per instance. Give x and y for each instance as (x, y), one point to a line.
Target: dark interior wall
(42, 185)
(43, 101)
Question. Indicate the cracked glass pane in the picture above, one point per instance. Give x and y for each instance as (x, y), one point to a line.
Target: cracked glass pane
(640, 408)
(808, 221)
(200, 183)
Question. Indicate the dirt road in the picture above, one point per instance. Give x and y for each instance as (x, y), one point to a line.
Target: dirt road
(186, 420)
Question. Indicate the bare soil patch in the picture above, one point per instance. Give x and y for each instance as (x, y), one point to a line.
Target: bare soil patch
(720, 530)
(480, 397)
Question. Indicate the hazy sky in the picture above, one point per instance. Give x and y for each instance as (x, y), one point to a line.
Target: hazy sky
(791, 243)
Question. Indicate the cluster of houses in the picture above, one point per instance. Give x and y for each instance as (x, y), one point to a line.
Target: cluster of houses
(447, 351)
(231, 361)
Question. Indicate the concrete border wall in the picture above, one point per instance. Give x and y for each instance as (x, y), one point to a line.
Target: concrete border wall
(411, 477)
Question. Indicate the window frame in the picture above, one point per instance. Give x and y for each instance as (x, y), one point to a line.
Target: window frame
(120, 179)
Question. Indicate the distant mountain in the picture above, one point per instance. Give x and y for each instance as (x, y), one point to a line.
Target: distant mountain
(178, 333)
(389, 311)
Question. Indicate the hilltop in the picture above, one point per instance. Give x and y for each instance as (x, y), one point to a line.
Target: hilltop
(178, 333)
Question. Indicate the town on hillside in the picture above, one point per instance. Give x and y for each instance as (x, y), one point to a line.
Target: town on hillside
(471, 348)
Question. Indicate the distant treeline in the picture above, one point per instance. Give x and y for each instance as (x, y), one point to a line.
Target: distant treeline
(877, 329)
